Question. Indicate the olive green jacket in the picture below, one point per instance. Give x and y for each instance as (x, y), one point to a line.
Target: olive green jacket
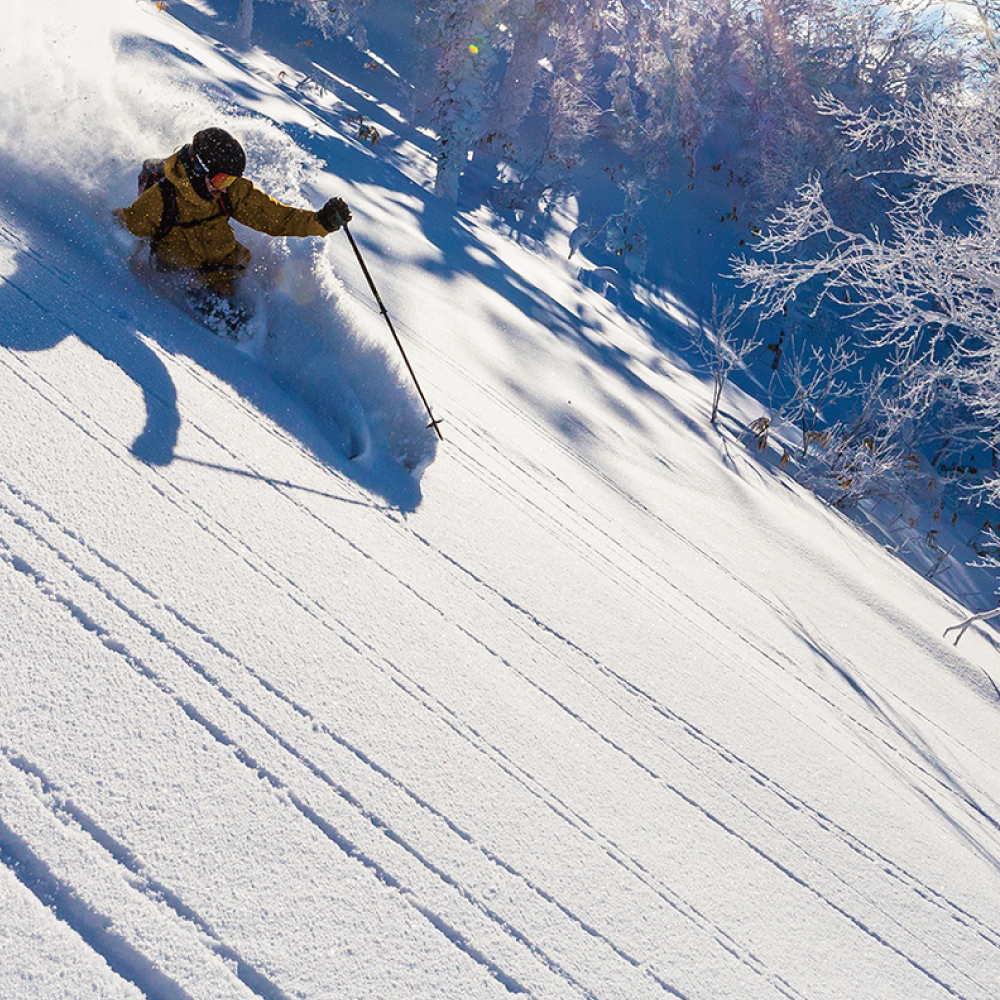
(197, 246)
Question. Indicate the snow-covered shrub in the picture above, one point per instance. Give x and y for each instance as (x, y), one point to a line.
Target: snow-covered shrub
(721, 351)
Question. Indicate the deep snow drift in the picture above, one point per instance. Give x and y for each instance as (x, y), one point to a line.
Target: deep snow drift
(598, 707)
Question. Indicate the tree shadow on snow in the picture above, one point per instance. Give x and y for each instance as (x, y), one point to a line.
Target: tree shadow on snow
(941, 787)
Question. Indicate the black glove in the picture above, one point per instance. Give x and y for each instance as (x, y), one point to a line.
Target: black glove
(334, 214)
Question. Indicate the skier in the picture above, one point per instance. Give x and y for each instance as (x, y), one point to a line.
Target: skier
(185, 208)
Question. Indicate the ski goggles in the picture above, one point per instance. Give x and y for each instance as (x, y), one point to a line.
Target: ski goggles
(221, 181)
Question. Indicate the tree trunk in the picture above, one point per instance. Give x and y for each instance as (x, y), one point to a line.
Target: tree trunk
(244, 21)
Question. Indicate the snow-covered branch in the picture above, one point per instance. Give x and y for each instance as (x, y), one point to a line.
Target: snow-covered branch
(922, 294)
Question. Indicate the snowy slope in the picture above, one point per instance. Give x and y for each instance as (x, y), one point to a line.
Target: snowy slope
(597, 707)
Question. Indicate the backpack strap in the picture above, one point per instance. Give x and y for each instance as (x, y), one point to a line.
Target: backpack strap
(171, 213)
(171, 217)
(225, 203)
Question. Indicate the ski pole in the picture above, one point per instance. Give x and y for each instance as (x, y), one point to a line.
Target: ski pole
(378, 298)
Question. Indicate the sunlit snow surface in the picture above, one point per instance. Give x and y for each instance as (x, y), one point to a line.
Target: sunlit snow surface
(598, 706)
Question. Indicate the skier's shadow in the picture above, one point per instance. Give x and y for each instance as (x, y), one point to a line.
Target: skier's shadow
(28, 329)
(43, 302)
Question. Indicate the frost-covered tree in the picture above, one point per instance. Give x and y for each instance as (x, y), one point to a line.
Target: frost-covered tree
(528, 45)
(741, 77)
(244, 21)
(544, 85)
(667, 79)
(459, 39)
(564, 103)
(863, 51)
(515, 79)
(922, 293)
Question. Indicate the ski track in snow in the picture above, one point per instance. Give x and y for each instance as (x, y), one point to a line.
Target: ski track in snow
(63, 898)
(353, 641)
(477, 465)
(589, 526)
(192, 648)
(699, 620)
(632, 570)
(642, 577)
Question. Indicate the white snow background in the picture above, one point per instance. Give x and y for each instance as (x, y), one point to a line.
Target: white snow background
(594, 704)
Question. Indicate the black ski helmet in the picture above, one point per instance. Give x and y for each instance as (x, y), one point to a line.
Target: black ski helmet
(218, 153)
